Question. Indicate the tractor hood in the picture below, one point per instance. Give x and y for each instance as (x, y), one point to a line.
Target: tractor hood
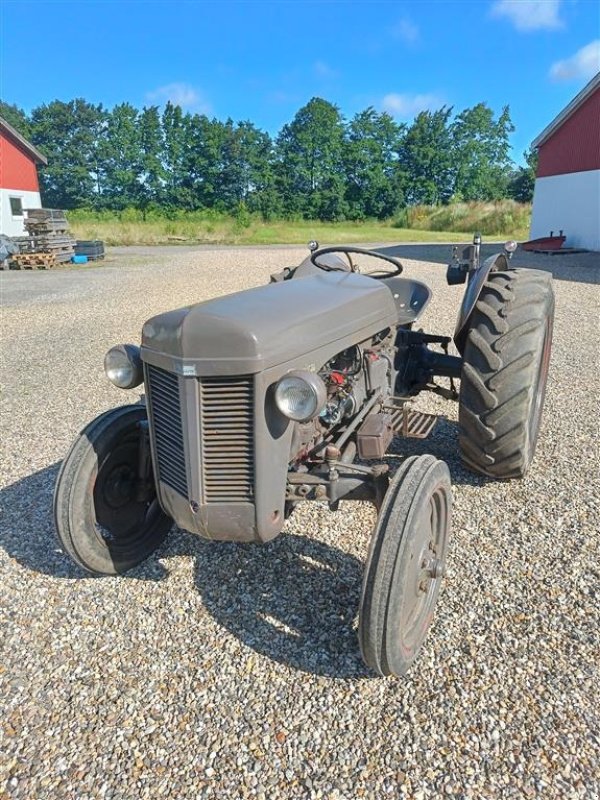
(253, 330)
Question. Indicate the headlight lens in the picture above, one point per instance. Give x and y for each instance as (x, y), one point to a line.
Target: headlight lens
(300, 395)
(123, 366)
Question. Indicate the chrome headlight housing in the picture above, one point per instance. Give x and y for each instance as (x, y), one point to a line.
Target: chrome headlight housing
(123, 366)
(300, 395)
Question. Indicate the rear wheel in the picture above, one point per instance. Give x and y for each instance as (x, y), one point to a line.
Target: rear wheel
(405, 565)
(505, 367)
(107, 516)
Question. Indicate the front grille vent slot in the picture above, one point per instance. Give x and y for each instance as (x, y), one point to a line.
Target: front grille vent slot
(166, 428)
(227, 439)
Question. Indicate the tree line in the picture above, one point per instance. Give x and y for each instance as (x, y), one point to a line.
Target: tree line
(319, 166)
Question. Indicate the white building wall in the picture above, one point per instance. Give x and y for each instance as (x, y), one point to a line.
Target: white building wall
(13, 225)
(570, 203)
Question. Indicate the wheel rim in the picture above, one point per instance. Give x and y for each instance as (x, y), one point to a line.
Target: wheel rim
(424, 569)
(122, 519)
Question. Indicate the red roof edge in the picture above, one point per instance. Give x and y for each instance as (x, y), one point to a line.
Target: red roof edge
(568, 111)
(40, 158)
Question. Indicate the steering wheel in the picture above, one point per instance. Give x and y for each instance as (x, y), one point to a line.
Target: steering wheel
(347, 250)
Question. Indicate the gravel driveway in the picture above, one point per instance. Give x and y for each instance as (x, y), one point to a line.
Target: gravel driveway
(232, 671)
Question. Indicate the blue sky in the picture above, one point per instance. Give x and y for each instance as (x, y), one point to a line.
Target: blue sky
(263, 60)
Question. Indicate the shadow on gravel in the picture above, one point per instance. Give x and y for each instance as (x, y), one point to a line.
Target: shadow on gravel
(443, 444)
(27, 529)
(431, 252)
(27, 526)
(294, 600)
(577, 267)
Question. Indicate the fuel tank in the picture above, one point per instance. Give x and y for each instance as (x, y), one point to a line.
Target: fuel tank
(255, 330)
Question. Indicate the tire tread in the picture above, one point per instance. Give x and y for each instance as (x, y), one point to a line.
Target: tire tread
(501, 364)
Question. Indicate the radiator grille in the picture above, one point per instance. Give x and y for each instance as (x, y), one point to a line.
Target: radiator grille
(166, 428)
(227, 439)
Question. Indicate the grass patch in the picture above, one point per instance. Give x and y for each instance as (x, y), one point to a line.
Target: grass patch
(455, 222)
(502, 218)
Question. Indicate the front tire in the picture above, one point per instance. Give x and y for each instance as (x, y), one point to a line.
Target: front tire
(102, 520)
(505, 367)
(405, 565)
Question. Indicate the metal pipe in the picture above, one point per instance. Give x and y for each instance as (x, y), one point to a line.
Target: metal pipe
(356, 421)
(444, 365)
(347, 456)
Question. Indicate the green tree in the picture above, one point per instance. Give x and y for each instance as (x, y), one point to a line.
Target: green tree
(149, 163)
(309, 166)
(69, 135)
(481, 153)
(16, 117)
(522, 181)
(245, 161)
(119, 153)
(426, 158)
(319, 167)
(374, 180)
(178, 189)
(259, 174)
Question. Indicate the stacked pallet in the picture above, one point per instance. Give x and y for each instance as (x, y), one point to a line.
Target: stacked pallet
(31, 260)
(48, 242)
(92, 249)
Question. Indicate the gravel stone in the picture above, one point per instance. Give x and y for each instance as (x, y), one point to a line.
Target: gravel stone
(220, 670)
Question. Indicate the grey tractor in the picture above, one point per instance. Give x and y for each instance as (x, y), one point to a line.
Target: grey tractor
(293, 392)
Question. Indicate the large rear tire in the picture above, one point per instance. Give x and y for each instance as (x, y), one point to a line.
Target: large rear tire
(505, 367)
(105, 519)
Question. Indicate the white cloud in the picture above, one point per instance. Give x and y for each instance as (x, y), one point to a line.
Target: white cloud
(529, 15)
(180, 94)
(406, 31)
(323, 70)
(408, 105)
(585, 63)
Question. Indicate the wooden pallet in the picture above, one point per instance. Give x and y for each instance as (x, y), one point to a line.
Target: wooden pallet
(52, 237)
(36, 232)
(31, 260)
(47, 230)
(44, 214)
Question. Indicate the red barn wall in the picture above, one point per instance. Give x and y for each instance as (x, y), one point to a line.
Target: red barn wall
(17, 169)
(575, 146)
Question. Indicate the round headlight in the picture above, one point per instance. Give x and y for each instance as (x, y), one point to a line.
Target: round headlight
(300, 395)
(123, 366)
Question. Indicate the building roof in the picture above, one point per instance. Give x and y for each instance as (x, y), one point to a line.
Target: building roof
(22, 141)
(568, 111)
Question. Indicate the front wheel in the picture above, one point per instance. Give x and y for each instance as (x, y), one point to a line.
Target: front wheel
(106, 513)
(405, 565)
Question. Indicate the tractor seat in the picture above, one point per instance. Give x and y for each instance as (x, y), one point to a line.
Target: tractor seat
(410, 297)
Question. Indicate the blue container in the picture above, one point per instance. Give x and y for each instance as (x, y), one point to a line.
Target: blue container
(79, 259)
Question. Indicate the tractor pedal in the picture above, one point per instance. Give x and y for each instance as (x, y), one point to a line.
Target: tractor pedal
(410, 423)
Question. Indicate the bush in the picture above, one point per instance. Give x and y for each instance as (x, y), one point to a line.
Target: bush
(242, 216)
(504, 217)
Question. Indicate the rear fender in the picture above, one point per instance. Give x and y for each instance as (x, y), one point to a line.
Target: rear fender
(495, 263)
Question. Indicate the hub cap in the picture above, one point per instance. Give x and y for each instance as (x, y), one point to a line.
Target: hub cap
(121, 516)
(423, 570)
